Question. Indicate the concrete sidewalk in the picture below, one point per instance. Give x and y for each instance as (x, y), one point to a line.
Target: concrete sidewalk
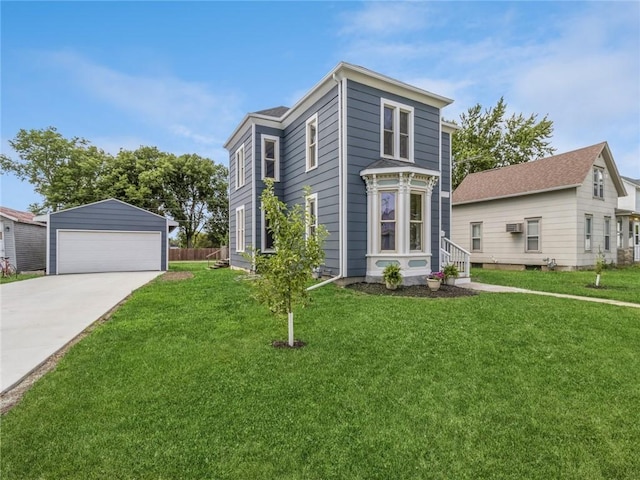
(41, 315)
(485, 287)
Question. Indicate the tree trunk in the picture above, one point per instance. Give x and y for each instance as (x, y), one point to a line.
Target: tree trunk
(291, 329)
(598, 280)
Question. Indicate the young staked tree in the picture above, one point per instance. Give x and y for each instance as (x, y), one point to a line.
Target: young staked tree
(488, 140)
(284, 275)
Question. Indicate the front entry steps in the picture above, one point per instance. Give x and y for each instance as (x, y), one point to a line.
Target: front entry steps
(223, 263)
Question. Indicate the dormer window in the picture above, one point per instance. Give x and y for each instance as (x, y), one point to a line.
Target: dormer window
(396, 131)
(598, 182)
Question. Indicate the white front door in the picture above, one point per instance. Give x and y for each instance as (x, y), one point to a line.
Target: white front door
(636, 241)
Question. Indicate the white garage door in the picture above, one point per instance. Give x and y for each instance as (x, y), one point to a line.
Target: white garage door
(107, 251)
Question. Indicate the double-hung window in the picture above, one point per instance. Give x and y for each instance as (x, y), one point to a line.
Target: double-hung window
(607, 234)
(588, 232)
(312, 142)
(240, 229)
(270, 157)
(239, 157)
(388, 221)
(312, 214)
(476, 237)
(598, 182)
(416, 222)
(619, 236)
(396, 131)
(533, 235)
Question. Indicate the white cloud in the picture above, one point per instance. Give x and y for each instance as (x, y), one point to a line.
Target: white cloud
(181, 108)
(385, 18)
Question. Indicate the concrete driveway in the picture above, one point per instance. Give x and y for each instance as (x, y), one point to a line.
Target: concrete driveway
(41, 315)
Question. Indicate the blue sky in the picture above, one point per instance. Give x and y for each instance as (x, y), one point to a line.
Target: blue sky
(181, 75)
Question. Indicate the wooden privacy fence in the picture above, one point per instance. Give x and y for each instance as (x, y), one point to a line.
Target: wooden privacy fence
(198, 253)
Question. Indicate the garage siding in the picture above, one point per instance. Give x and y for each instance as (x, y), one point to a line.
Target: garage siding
(107, 215)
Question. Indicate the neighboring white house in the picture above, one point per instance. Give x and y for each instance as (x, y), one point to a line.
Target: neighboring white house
(558, 210)
(22, 239)
(628, 223)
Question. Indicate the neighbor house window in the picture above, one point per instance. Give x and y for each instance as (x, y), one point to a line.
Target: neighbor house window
(416, 221)
(588, 232)
(270, 157)
(240, 167)
(312, 142)
(312, 214)
(607, 233)
(387, 221)
(598, 182)
(533, 235)
(476, 237)
(619, 232)
(396, 130)
(240, 229)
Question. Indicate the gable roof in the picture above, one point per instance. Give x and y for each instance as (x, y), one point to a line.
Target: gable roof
(566, 170)
(18, 215)
(274, 112)
(343, 70)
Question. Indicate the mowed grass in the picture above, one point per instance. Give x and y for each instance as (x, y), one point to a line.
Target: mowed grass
(617, 284)
(19, 277)
(182, 382)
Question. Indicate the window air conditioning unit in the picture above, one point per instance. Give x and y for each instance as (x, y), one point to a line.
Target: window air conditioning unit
(514, 227)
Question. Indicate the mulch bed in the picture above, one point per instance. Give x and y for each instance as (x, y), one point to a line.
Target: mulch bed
(445, 291)
(285, 344)
(174, 276)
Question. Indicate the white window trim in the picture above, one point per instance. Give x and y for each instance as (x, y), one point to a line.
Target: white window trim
(240, 166)
(598, 185)
(314, 215)
(277, 156)
(396, 132)
(539, 235)
(396, 220)
(589, 234)
(313, 120)
(240, 229)
(264, 233)
(479, 238)
(422, 221)
(607, 234)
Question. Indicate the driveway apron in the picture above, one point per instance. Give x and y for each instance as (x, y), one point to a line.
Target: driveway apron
(41, 315)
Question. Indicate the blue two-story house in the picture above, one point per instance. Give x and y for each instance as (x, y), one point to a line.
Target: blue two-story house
(377, 157)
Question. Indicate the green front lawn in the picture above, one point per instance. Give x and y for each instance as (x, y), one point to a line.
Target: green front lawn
(20, 276)
(617, 284)
(182, 382)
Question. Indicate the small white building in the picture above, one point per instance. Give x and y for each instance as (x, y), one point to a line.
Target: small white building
(628, 223)
(559, 210)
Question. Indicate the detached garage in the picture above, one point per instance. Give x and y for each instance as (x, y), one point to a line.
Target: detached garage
(106, 236)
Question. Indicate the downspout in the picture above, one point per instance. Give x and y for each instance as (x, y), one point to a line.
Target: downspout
(341, 199)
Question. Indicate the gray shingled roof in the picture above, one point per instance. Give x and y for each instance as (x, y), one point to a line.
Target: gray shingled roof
(552, 173)
(274, 112)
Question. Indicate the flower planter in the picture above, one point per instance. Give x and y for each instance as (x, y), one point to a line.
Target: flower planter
(433, 284)
(391, 286)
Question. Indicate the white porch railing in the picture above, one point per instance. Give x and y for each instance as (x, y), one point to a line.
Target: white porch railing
(452, 253)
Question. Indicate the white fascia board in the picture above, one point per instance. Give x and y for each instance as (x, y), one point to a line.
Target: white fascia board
(448, 127)
(613, 170)
(249, 121)
(408, 169)
(108, 200)
(9, 217)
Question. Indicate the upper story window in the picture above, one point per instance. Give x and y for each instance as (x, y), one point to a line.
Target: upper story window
(312, 142)
(396, 131)
(271, 157)
(312, 214)
(533, 235)
(476, 237)
(239, 157)
(598, 182)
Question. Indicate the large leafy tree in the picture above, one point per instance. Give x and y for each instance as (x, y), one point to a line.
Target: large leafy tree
(283, 276)
(193, 186)
(487, 139)
(63, 171)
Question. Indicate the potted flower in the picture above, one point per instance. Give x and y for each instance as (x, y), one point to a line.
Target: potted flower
(434, 279)
(392, 276)
(450, 272)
